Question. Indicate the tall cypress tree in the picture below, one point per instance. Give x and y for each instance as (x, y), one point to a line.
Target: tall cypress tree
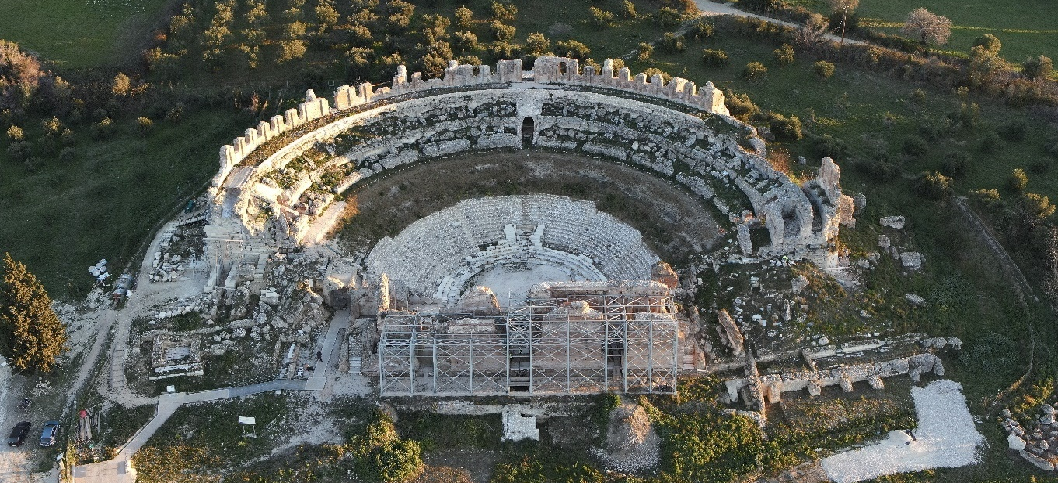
(31, 335)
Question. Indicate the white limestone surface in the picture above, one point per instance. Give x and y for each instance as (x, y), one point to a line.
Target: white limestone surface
(946, 437)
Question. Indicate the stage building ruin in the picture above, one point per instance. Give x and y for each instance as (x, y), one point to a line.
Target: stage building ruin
(569, 338)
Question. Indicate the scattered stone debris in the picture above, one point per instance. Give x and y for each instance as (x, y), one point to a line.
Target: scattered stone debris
(518, 426)
(893, 221)
(912, 260)
(1039, 444)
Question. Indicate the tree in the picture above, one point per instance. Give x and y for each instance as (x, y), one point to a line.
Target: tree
(465, 41)
(380, 455)
(434, 28)
(464, 17)
(810, 33)
(326, 15)
(502, 32)
(537, 44)
(601, 18)
(31, 335)
(845, 7)
(20, 75)
(927, 27)
(504, 11)
(572, 48)
(987, 70)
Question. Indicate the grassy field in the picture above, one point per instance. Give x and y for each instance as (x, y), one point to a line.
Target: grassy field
(81, 33)
(1025, 28)
(59, 217)
(874, 114)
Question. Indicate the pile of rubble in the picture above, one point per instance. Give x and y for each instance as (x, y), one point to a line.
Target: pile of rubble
(180, 247)
(632, 443)
(1038, 445)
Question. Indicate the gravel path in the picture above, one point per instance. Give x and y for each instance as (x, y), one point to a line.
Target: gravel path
(946, 437)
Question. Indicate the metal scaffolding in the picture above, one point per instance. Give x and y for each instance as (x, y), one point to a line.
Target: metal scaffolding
(572, 345)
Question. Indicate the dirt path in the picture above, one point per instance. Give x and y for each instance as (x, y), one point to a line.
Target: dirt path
(711, 9)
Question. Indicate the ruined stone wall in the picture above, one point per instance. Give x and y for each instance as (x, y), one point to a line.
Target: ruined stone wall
(674, 129)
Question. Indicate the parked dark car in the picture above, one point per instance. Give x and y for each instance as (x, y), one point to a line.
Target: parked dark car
(18, 434)
(51, 431)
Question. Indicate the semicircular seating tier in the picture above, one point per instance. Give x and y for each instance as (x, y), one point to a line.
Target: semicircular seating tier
(276, 184)
(437, 255)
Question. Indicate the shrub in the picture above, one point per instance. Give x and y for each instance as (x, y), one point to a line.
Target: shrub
(144, 124)
(761, 5)
(968, 116)
(15, 133)
(880, 169)
(464, 17)
(537, 44)
(701, 29)
(572, 48)
(672, 43)
(828, 145)
(935, 185)
(645, 52)
(502, 32)
(20, 150)
(103, 129)
(669, 17)
(628, 9)
(956, 164)
(52, 127)
(1018, 180)
(754, 71)
(601, 18)
(986, 194)
(504, 11)
(785, 128)
(67, 154)
(988, 42)
(382, 456)
(824, 69)
(740, 106)
(1039, 67)
(914, 146)
(651, 71)
(988, 142)
(465, 41)
(784, 55)
(714, 57)
(1013, 131)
